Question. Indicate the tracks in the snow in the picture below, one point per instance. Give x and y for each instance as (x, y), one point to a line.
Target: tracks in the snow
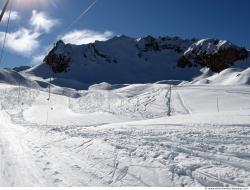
(182, 102)
(144, 105)
(167, 154)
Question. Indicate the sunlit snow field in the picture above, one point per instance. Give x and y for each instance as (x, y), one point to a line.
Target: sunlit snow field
(123, 136)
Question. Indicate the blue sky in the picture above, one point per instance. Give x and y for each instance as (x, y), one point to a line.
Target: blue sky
(36, 24)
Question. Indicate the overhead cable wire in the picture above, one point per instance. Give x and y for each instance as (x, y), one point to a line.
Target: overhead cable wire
(6, 33)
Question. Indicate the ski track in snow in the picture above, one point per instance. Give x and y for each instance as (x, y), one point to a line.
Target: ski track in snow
(123, 137)
(187, 110)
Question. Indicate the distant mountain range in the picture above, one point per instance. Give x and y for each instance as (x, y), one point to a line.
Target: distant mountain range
(128, 60)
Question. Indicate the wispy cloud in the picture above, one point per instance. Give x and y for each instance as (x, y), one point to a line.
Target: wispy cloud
(79, 37)
(23, 41)
(26, 40)
(41, 22)
(13, 16)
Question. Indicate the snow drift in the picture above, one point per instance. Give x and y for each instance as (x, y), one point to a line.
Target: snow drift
(231, 76)
(8, 76)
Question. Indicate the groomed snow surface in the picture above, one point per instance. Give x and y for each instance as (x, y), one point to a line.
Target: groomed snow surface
(120, 135)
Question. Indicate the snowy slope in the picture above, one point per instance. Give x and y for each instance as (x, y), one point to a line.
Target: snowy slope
(8, 76)
(122, 136)
(127, 60)
(237, 75)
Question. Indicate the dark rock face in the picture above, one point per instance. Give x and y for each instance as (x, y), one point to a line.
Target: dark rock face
(151, 44)
(57, 61)
(184, 62)
(217, 61)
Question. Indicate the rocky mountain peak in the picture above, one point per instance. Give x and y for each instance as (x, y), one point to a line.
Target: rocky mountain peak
(123, 59)
(212, 53)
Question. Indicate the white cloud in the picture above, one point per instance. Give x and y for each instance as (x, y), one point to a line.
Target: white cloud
(42, 22)
(23, 41)
(37, 59)
(79, 37)
(13, 16)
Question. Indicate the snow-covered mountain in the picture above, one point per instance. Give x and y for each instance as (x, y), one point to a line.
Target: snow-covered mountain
(214, 54)
(190, 133)
(128, 60)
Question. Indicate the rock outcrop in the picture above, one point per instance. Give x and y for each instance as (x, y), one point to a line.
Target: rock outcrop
(57, 60)
(214, 54)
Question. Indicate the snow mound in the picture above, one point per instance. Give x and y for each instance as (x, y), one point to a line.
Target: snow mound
(231, 76)
(11, 77)
(8, 76)
(106, 86)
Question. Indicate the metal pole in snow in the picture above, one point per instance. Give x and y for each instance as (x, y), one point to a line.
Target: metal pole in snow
(169, 100)
(218, 109)
(4, 10)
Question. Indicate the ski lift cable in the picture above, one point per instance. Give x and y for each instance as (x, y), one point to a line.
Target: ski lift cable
(73, 23)
(79, 17)
(6, 30)
(2, 51)
(4, 9)
(67, 29)
(1, 17)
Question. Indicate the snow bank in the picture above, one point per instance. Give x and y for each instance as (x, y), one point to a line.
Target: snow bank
(8, 76)
(231, 76)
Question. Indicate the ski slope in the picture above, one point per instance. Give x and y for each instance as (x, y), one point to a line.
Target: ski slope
(120, 135)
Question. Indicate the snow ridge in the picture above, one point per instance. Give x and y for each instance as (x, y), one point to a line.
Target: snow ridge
(123, 59)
